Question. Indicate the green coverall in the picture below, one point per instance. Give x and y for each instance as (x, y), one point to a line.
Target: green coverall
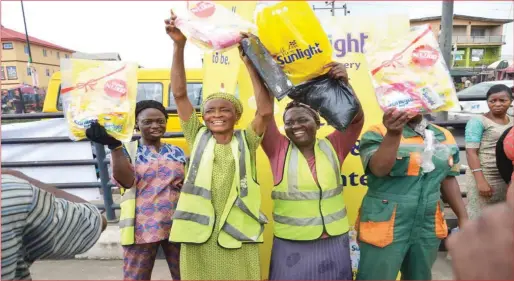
(401, 220)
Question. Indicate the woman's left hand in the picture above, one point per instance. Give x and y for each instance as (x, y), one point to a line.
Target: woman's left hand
(337, 71)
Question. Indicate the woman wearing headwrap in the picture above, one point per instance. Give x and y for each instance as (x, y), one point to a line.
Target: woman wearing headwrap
(310, 224)
(218, 219)
(150, 174)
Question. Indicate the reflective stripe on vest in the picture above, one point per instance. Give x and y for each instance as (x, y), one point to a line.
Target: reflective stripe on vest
(128, 203)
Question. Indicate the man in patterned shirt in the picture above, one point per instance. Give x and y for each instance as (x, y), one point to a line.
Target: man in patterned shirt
(40, 221)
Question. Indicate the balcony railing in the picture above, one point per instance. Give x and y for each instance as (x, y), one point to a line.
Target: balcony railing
(497, 39)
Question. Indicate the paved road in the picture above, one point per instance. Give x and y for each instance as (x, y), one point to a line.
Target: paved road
(111, 270)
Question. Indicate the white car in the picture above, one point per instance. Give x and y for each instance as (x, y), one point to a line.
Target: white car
(478, 93)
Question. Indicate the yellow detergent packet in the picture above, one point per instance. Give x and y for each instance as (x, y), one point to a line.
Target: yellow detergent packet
(102, 91)
(409, 73)
(295, 38)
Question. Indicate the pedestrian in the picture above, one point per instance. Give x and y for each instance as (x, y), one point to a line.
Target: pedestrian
(484, 183)
(218, 218)
(401, 221)
(150, 175)
(40, 221)
(310, 243)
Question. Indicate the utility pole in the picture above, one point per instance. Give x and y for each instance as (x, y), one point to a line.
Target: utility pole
(29, 66)
(332, 7)
(445, 42)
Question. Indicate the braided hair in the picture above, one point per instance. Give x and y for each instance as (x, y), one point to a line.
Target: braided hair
(145, 104)
(310, 110)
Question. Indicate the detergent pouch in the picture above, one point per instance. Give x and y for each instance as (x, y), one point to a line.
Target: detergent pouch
(274, 78)
(410, 73)
(334, 101)
(211, 26)
(99, 91)
(295, 38)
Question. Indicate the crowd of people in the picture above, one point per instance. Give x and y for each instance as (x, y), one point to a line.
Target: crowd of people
(205, 212)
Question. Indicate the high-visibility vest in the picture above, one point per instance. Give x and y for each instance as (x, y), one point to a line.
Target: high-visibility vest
(302, 208)
(241, 220)
(128, 203)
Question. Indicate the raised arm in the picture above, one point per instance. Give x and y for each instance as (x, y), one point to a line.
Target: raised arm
(384, 158)
(178, 73)
(263, 99)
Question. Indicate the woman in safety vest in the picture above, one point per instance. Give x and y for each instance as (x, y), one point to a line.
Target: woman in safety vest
(310, 223)
(150, 174)
(401, 221)
(218, 216)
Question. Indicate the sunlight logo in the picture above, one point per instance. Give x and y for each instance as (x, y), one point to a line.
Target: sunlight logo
(294, 53)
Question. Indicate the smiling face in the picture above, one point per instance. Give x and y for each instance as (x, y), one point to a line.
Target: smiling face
(152, 124)
(220, 116)
(499, 103)
(300, 126)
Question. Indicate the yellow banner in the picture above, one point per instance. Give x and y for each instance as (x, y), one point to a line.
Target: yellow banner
(221, 69)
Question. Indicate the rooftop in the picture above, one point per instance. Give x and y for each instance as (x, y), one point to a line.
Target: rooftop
(11, 35)
(464, 17)
(97, 56)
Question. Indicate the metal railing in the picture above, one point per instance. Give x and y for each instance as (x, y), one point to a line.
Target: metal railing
(101, 161)
(463, 39)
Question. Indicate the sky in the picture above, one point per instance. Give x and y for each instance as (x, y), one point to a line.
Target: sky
(135, 29)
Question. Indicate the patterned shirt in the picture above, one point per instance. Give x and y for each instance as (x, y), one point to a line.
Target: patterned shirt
(159, 177)
(36, 225)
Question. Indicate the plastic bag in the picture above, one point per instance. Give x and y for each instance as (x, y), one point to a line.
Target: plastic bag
(410, 73)
(334, 101)
(273, 76)
(99, 91)
(211, 26)
(433, 149)
(293, 35)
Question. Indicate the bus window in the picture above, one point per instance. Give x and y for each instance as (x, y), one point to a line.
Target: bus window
(194, 93)
(149, 91)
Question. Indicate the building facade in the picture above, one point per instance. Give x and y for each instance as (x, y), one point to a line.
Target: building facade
(15, 56)
(478, 40)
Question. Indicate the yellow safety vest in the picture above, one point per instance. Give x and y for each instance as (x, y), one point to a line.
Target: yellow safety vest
(128, 203)
(241, 220)
(302, 208)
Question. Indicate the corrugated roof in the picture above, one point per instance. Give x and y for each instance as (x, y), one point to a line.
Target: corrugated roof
(12, 35)
(464, 17)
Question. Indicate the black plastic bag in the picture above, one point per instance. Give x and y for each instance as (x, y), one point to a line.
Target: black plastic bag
(503, 163)
(271, 73)
(334, 101)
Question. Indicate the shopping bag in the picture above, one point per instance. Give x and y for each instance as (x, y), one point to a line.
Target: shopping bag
(101, 91)
(295, 38)
(334, 101)
(211, 26)
(410, 73)
(271, 73)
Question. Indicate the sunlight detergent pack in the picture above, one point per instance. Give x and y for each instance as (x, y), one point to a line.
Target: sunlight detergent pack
(100, 91)
(295, 38)
(211, 26)
(409, 73)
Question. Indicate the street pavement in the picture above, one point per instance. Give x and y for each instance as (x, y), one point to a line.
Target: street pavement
(111, 269)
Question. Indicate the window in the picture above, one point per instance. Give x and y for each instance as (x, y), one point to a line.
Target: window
(477, 31)
(59, 99)
(2, 72)
(194, 93)
(45, 53)
(47, 72)
(66, 56)
(12, 73)
(29, 71)
(7, 46)
(149, 91)
(58, 55)
(26, 49)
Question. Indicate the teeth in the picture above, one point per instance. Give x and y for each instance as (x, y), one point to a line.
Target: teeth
(299, 133)
(218, 122)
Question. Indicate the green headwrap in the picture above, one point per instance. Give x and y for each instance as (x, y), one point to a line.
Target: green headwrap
(231, 98)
